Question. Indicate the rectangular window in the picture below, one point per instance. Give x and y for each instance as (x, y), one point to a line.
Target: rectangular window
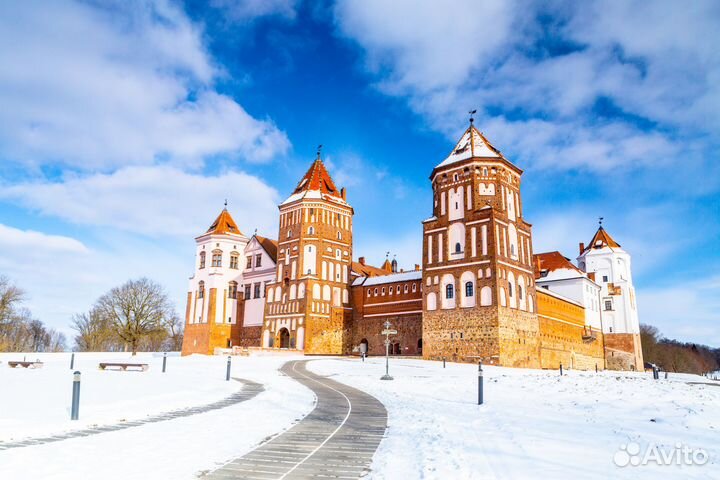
(234, 262)
(608, 305)
(249, 262)
(258, 260)
(257, 291)
(247, 292)
(605, 278)
(232, 290)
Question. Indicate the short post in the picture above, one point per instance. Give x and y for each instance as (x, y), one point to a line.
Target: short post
(666, 375)
(72, 361)
(655, 373)
(480, 383)
(164, 361)
(363, 356)
(227, 375)
(443, 362)
(596, 368)
(561, 369)
(75, 409)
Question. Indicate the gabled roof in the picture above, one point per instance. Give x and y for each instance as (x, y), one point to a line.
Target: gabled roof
(553, 261)
(472, 144)
(270, 246)
(601, 239)
(223, 224)
(365, 270)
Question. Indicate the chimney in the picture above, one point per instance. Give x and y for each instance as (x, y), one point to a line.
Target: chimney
(361, 260)
(417, 267)
(402, 270)
(582, 247)
(342, 193)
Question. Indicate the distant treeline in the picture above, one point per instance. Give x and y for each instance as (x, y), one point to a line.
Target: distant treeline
(675, 356)
(19, 331)
(136, 316)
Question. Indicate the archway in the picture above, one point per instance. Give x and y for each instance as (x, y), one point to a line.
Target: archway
(284, 335)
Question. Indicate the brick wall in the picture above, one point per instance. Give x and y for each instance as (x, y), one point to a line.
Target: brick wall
(623, 351)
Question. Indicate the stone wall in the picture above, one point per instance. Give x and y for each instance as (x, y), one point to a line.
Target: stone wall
(251, 336)
(408, 338)
(623, 351)
(461, 334)
(329, 336)
(519, 337)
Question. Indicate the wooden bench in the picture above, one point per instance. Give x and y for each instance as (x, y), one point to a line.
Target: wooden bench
(24, 364)
(124, 366)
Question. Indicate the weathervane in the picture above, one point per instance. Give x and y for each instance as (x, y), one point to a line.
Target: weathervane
(472, 112)
(319, 149)
(226, 203)
(600, 220)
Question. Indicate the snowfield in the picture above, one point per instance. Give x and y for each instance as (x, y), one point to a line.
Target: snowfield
(35, 401)
(534, 424)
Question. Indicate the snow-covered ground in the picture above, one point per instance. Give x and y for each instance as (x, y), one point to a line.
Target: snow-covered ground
(534, 424)
(38, 401)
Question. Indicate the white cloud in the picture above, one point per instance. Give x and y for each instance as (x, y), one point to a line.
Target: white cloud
(156, 201)
(251, 9)
(448, 57)
(91, 86)
(14, 239)
(685, 312)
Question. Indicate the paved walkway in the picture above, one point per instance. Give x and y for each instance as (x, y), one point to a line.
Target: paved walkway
(249, 390)
(336, 440)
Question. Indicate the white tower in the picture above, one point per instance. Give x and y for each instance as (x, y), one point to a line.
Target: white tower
(609, 266)
(213, 317)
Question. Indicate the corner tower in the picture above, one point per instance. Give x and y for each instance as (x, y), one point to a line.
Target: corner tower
(214, 312)
(308, 306)
(606, 261)
(478, 282)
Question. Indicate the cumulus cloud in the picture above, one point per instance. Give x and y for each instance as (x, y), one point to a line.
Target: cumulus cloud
(153, 201)
(14, 239)
(563, 85)
(97, 86)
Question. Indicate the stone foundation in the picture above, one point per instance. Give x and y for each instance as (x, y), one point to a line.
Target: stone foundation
(623, 351)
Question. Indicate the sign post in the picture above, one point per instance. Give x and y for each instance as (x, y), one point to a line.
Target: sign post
(387, 332)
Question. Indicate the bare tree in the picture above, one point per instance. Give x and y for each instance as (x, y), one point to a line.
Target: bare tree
(95, 333)
(175, 330)
(136, 310)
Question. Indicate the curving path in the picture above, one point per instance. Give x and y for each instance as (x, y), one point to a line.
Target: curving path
(249, 390)
(336, 440)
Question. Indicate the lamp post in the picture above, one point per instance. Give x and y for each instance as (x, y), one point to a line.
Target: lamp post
(387, 332)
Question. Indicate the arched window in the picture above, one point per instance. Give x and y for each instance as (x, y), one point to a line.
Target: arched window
(234, 260)
(458, 248)
(510, 289)
(414, 287)
(449, 291)
(485, 296)
(405, 288)
(201, 289)
(485, 172)
(469, 289)
(339, 236)
(431, 301)
(311, 230)
(232, 290)
(202, 259)
(217, 258)
(289, 233)
(520, 292)
(369, 292)
(301, 291)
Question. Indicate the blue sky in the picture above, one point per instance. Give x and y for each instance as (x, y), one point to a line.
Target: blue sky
(125, 125)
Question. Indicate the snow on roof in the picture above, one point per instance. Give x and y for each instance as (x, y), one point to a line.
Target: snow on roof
(392, 278)
(471, 144)
(558, 296)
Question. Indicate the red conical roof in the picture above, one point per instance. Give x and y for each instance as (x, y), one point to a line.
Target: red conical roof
(224, 223)
(318, 179)
(602, 239)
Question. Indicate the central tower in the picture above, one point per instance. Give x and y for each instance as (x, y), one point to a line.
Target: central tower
(308, 306)
(478, 282)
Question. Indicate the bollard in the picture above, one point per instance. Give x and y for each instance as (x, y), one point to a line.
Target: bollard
(164, 361)
(480, 383)
(596, 368)
(227, 375)
(443, 362)
(75, 409)
(666, 375)
(561, 369)
(72, 361)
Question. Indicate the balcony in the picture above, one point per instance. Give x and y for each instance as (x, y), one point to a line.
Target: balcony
(589, 335)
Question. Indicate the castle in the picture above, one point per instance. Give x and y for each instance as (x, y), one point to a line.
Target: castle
(481, 294)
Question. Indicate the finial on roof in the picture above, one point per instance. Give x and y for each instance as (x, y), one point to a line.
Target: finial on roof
(226, 204)
(472, 112)
(600, 220)
(387, 255)
(319, 149)
(256, 231)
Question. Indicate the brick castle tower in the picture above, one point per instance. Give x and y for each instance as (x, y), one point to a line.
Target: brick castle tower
(308, 306)
(478, 279)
